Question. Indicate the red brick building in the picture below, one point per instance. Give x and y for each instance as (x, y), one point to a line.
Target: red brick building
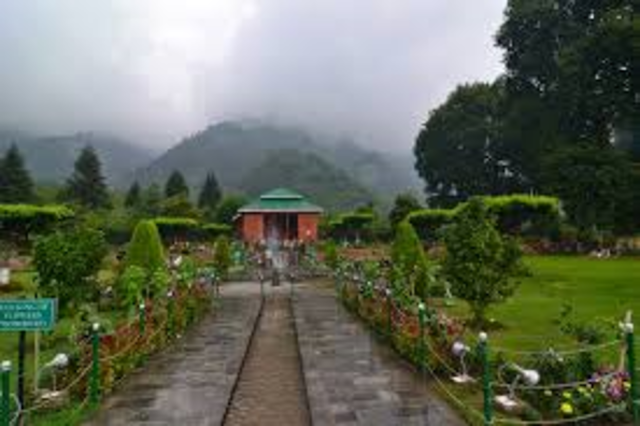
(280, 214)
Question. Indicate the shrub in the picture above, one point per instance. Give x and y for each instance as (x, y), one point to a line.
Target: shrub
(177, 228)
(67, 264)
(530, 214)
(427, 222)
(222, 257)
(331, 256)
(409, 257)
(479, 262)
(145, 248)
(212, 231)
(18, 221)
(131, 285)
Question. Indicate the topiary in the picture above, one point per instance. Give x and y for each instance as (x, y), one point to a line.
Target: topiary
(145, 248)
(409, 258)
(222, 257)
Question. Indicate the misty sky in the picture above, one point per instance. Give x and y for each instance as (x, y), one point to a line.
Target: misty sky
(157, 70)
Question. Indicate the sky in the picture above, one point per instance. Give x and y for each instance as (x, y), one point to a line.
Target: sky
(155, 71)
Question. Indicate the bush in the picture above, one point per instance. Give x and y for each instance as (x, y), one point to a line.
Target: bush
(480, 263)
(409, 258)
(145, 248)
(428, 222)
(67, 265)
(331, 257)
(211, 231)
(18, 221)
(222, 257)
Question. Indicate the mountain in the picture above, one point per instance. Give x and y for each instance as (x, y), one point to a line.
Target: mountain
(50, 159)
(309, 174)
(233, 149)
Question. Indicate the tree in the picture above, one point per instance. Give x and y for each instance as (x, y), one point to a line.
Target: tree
(210, 193)
(68, 264)
(179, 206)
(459, 150)
(16, 185)
(570, 74)
(87, 185)
(145, 248)
(594, 184)
(152, 201)
(176, 185)
(222, 257)
(228, 208)
(404, 204)
(480, 263)
(410, 260)
(134, 196)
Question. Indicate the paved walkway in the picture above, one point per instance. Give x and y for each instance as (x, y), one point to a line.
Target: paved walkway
(352, 380)
(190, 384)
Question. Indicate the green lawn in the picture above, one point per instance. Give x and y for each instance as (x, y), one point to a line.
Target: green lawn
(596, 288)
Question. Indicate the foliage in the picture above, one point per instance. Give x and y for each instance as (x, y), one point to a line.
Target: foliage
(222, 257)
(145, 248)
(212, 231)
(87, 185)
(177, 228)
(67, 265)
(130, 286)
(331, 256)
(176, 185)
(459, 150)
(210, 194)
(228, 208)
(354, 226)
(179, 206)
(427, 222)
(409, 257)
(18, 221)
(404, 204)
(593, 183)
(480, 263)
(16, 185)
(134, 196)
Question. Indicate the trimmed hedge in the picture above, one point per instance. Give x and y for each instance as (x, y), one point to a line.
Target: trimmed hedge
(516, 214)
(183, 228)
(351, 225)
(18, 221)
(212, 231)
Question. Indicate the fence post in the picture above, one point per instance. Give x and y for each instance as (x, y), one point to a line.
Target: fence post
(389, 314)
(5, 409)
(94, 383)
(631, 369)
(421, 343)
(483, 347)
(142, 319)
(170, 314)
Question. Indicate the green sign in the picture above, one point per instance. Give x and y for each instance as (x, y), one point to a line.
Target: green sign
(27, 314)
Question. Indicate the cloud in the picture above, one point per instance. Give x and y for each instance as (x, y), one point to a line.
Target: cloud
(156, 70)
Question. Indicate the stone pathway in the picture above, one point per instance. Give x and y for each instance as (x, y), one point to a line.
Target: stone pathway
(271, 389)
(352, 380)
(191, 383)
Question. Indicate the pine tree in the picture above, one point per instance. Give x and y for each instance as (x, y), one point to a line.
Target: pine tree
(176, 185)
(210, 194)
(87, 185)
(152, 200)
(16, 185)
(133, 198)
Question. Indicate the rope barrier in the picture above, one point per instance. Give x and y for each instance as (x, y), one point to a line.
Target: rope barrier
(568, 352)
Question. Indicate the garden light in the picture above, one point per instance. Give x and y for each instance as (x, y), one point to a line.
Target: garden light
(460, 350)
(58, 362)
(528, 376)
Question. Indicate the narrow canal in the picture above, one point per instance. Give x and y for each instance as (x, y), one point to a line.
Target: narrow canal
(270, 389)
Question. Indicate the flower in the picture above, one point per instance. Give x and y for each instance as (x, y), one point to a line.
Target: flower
(566, 408)
(627, 385)
(566, 395)
(547, 392)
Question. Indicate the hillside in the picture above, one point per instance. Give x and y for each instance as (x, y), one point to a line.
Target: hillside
(234, 149)
(50, 159)
(309, 174)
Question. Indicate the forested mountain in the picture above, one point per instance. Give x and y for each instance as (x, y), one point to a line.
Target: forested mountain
(235, 149)
(309, 174)
(50, 159)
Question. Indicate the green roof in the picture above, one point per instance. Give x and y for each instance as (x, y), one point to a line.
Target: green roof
(281, 200)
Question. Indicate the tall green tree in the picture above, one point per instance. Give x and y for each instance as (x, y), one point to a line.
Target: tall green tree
(16, 185)
(479, 262)
(87, 185)
(152, 201)
(176, 185)
(210, 194)
(228, 208)
(409, 258)
(459, 151)
(134, 196)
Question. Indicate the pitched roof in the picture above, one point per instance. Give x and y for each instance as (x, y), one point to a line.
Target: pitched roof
(281, 200)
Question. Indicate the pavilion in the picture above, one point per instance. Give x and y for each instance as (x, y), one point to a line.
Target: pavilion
(281, 215)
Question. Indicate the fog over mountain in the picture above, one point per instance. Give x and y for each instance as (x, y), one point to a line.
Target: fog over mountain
(154, 71)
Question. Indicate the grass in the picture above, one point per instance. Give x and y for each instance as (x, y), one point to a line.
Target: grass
(597, 290)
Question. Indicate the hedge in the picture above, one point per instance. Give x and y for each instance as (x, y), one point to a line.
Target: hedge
(18, 221)
(515, 214)
(183, 228)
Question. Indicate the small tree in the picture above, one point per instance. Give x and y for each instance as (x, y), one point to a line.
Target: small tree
(210, 193)
(331, 256)
(131, 285)
(222, 257)
(228, 208)
(145, 248)
(16, 185)
(152, 201)
(176, 185)
(410, 260)
(480, 263)
(87, 185)
(404, 204)
(179, 206)
(133, 197)
(67, 265)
